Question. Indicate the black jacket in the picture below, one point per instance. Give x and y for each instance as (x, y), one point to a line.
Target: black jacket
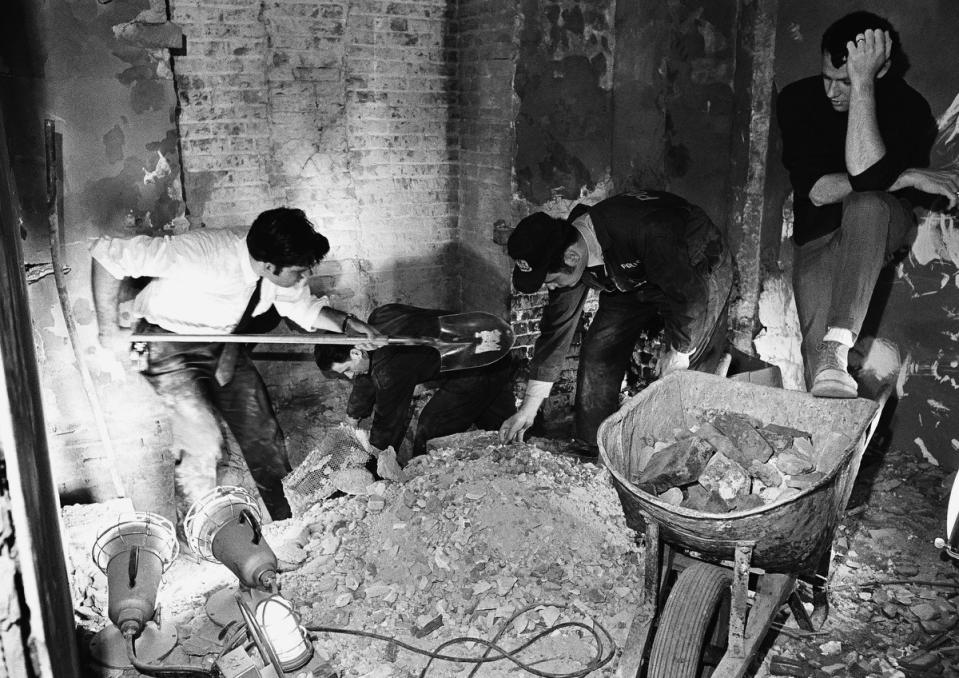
(656, 246)
(386, 391)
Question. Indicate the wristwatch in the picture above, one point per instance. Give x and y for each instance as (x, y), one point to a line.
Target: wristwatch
(347, 318)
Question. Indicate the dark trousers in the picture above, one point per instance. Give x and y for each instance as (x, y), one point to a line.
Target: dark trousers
(834, 275)
(182, 374)
(618, 324)
(483, 397)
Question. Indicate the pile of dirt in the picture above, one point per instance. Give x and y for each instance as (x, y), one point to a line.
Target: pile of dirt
(480, 534)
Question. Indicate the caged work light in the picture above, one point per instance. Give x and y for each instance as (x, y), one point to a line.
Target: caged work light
(134, 554)
(224, 526)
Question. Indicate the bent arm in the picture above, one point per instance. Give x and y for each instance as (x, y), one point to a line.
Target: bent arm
(106, 297)
(829, 189)
(866, 63)
(864, 144)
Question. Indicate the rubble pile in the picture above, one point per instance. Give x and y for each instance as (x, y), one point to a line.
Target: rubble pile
(894, 610)
(732, 462)
(479, 533)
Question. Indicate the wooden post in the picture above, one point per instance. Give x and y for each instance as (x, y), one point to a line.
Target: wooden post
(755, 59)
(23, 443)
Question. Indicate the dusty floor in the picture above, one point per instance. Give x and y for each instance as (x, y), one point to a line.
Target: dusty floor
(481, 532)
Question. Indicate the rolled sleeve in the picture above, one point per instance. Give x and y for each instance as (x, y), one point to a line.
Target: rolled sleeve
(880, 175)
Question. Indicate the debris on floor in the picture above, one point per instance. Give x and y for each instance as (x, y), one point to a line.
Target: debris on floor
(480, 532)
(479, 535)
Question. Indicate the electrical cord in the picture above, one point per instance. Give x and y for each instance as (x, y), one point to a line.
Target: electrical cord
(168, 671)
(603, 654)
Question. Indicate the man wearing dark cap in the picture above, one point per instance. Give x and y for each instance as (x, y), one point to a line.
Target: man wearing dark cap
(658, 263)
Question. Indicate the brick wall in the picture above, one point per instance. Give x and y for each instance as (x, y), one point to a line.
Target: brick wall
(487, 45)
(339, 108)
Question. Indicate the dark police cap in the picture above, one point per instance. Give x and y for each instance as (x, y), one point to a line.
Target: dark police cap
(536, 242)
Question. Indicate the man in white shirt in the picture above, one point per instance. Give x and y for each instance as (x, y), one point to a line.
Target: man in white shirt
(209, 281)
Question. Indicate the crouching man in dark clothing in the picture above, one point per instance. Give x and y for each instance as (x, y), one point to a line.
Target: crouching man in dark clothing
(384, 381)
(657, 261)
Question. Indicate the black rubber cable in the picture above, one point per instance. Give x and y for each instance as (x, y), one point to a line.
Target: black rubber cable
(601, 658)
(170, 671)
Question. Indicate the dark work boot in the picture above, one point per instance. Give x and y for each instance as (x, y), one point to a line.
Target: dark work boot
(832, 379)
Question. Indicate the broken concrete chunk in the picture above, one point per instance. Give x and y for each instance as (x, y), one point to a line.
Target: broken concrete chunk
(829, 450)
(351, 480)
(793, 464)
(740, 430)
(424, 629)
(672, 496)
(767, 474)
(387, 466)
(674, 466)
(781, 437)
(803, 447)
(804, 481)
(745, 502)
(698, 498)
(722, 443)
(728, 478)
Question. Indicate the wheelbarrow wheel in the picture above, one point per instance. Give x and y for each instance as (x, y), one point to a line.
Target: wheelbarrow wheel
(693, 627)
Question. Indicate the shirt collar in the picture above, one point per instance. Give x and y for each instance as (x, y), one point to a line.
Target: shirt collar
(594, 253)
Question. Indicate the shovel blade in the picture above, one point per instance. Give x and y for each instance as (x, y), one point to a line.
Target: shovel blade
(470, 340)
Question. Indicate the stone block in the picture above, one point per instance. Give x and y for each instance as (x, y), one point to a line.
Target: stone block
(676, 465)
(726, 476)
(743, 434)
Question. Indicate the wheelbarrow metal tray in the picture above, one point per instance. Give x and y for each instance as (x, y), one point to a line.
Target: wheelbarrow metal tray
(789, 535)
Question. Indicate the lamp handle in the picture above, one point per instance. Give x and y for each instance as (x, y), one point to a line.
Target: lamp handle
(134, 566)
(254, 525)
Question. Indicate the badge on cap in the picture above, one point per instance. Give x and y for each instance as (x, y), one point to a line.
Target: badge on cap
(523, 265)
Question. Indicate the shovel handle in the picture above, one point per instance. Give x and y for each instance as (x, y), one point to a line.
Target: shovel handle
(279, 339)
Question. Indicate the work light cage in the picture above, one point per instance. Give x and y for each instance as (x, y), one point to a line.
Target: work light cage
(147, 531)
(211, 512)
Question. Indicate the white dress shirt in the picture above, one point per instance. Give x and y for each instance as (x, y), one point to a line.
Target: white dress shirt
(202, 281)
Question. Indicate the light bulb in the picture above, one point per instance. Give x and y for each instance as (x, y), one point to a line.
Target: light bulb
(282, 630)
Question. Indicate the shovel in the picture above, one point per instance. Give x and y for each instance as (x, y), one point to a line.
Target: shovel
(463, 340)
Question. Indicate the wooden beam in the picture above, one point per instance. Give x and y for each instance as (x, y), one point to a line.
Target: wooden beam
(23, 443)
(755, 59)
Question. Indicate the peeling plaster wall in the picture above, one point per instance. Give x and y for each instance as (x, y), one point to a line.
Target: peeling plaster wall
(613, 96)
(112, 102)
(673, 102)
(563, 83)
(916, 306)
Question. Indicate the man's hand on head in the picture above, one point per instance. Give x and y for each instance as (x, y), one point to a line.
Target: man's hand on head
(868, 53)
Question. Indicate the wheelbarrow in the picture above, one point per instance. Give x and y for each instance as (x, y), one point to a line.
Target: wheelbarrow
(714, 582)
